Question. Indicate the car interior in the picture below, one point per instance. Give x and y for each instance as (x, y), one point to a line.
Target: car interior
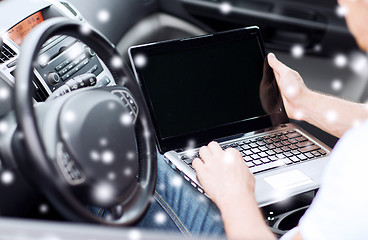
(61, 57)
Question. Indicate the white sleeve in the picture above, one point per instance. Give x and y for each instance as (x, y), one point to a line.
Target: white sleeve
(339, 211)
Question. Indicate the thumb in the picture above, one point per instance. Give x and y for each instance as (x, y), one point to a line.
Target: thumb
(276, 65)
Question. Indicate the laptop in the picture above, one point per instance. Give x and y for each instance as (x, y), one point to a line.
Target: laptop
(220, 87)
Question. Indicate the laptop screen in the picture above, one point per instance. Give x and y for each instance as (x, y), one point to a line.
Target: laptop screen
(198, 85)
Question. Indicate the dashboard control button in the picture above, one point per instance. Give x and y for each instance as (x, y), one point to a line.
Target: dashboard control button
(53, 78)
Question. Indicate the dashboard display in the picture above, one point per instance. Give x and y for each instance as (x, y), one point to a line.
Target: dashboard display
(20, 31)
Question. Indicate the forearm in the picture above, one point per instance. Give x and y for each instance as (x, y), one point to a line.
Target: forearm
(243, 220)
(331, 114)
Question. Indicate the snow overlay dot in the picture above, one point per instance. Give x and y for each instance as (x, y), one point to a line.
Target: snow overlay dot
(359, 63)
(331, 116)
(336, 85)
(103, 142)
(341, 10)
(7, 177)
(107, 157)
(111, 176)
(160, 218)
(134, 234)
(116, 62)
(225, 8)
(111, 105)
(85, 29)
(299, 114)
(297, 51)
(127, 172)
(228, 158)
(130, 155)
(94, 155)
(43, 60)
(4, 93)
(103, 16)
(103, 192)
(126, 119)
(340, 60)
(176, 181)
(4, 127)
(69, 116)
(140, 60)
(43, 208)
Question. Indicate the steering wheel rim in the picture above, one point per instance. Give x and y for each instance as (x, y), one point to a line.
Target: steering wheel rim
(39, 163)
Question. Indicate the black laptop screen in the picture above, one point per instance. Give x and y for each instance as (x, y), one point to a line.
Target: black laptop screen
(196, 87)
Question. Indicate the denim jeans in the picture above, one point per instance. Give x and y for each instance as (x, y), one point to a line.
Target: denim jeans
(178, 207)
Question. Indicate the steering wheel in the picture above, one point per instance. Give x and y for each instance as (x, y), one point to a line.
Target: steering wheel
(90, 147)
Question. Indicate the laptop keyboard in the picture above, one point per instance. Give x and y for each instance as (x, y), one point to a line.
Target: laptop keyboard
(273, 150)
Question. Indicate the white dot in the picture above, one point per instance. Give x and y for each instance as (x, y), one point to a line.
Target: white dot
(111, 105)
(299, 114)
(103, 192)
(69, 116)
(4, 127)
(134, 234)
(128, 172)
(116, 62)
(341, 10)
(176, 181)
(228, 158)
(356, 123)
(43, 59)
(290, 91)
(297, 51)
(146, 133)
(225, 8)
(202, 199)
(94, 155)
(103, 15)
(336, 84)
(7, 177)
(331, 116)
(111, 176)
(126, 119)
(190, 145)
(43, 208)
(85, 29)
(65, 135)
(160, 218)
(317, 48)
(130, 155)
(4, 93)
(103, 142)
(107, 157)
(359, 63)
(340, 60)
(140, 60)
(162, 187)
(217, 218)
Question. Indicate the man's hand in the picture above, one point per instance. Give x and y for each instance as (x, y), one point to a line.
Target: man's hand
(228, 182)
(292, 87)
(223, 174)
(328, 113)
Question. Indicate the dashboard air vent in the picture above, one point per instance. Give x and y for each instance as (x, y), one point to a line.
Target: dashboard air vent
(6, 53)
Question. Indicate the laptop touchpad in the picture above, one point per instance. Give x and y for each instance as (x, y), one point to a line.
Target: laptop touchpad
(288, 180)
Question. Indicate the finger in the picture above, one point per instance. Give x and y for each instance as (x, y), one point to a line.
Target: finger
(215, 147)
(205, 153)
(276, 65)
(233, 153)
(197, 164)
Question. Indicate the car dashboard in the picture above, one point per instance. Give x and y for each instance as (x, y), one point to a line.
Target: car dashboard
(61, 57)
